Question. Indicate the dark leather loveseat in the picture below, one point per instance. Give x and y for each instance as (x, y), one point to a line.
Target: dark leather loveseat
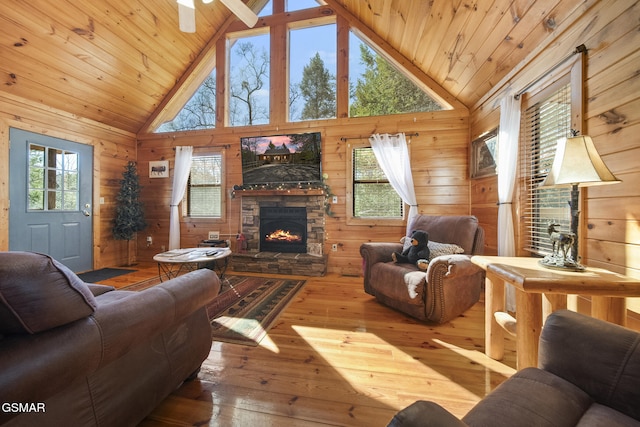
(588, 375)
(77, 354)
(451, 283)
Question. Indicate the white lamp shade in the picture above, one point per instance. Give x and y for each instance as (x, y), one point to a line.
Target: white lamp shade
(577, 162)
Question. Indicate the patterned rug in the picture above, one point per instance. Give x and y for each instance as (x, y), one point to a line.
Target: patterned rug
(248, 306)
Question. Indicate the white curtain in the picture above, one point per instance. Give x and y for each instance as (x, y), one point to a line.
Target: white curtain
(393, 157)
(508, 138)
(180, 177)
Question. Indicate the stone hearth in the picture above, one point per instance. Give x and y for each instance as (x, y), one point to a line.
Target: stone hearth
(312, 263)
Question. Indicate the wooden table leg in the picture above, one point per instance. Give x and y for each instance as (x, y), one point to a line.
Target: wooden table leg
(493, 301)
(528, 327)
(551, 303)
(610, 309)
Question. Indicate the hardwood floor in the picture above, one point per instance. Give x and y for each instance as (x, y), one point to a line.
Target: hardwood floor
(336, 357)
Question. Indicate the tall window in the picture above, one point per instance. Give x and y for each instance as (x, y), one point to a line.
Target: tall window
(372, 195)
(312, 69)
(248, 80)
(543, 124)
(204, 197)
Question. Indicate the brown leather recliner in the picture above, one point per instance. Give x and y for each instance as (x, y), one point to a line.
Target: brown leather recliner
(451, 283)
(78, 354)
(587, 375)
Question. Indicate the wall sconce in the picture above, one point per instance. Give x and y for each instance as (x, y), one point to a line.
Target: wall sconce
(576, 164)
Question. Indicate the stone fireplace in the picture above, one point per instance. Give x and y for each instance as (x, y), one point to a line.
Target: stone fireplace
(295, 218)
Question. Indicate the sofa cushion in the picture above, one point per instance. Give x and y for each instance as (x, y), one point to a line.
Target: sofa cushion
(438, 249)
(38, 293)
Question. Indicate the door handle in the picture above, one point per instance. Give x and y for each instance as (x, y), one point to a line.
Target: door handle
(86, 211)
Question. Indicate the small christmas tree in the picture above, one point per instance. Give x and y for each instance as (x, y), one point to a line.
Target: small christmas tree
(129, 217)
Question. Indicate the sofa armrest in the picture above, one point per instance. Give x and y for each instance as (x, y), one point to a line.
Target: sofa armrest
(601, 358)
(372, 253)
(97, 289)
(453, 285)
(425, 414)
(126, 317)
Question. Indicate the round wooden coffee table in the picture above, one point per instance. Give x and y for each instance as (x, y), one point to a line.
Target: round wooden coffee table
(177, 261)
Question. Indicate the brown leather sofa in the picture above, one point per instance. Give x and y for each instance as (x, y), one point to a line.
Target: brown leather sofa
(77, 354)
(451, 283)
(588, 375)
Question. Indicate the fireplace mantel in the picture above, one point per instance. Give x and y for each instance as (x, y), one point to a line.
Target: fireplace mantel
(280, 192)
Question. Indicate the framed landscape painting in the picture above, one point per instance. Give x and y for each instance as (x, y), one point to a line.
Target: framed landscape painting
(484, 155)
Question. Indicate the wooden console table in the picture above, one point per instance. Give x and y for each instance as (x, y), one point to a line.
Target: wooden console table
(533, 282)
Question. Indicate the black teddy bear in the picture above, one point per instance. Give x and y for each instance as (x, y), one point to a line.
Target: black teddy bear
(417, 251)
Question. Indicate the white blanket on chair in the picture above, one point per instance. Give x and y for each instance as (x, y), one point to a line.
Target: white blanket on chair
(412, 280)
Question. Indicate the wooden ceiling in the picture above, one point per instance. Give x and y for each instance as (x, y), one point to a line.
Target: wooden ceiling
(114, 61)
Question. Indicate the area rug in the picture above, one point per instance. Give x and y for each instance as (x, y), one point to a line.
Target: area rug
(95, 276)
(248, 306)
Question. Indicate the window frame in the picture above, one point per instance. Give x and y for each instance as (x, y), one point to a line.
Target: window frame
(354, 220)
(223, 202)
(571, 73)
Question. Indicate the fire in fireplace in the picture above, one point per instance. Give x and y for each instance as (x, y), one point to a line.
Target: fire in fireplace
(283, 229)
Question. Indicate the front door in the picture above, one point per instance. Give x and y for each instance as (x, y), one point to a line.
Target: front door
(50, 194)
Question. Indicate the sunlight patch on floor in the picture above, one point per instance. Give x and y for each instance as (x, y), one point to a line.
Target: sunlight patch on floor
(336, 346)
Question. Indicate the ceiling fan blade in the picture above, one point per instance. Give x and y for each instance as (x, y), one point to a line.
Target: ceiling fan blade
(187, 16)
(242, 11)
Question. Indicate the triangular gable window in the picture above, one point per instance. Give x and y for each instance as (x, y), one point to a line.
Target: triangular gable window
(199, 112)
(378, 88)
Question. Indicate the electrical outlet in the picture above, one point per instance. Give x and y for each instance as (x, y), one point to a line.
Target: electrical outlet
(214, 235)
(149, 240)
(334, 247)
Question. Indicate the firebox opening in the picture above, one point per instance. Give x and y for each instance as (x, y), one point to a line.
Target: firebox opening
(283, 229)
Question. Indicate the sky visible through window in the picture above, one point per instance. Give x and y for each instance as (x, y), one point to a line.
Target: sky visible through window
(249, 97)
(304, 44)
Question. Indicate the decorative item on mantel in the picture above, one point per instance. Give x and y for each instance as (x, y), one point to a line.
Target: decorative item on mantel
(288, 186)
(578, 164)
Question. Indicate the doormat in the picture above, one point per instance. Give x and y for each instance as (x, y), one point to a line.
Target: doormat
(95, 276)
(248, 306)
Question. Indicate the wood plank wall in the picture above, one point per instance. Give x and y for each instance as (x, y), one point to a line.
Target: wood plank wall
(439, 164)
(610, 216)
(112, 149)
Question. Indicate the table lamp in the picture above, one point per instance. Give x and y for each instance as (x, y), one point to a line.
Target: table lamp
(578, 164)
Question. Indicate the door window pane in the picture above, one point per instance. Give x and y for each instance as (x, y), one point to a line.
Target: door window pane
(53, 182)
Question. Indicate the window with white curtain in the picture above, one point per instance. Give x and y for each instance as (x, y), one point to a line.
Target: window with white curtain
(543, 123)
(204, 195)
(372, 194)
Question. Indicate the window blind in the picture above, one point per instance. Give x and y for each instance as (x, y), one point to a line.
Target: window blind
(204, 189)
(543, 124)
(373, 195)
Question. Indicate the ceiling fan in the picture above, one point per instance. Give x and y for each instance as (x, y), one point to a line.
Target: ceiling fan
(187, 13)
